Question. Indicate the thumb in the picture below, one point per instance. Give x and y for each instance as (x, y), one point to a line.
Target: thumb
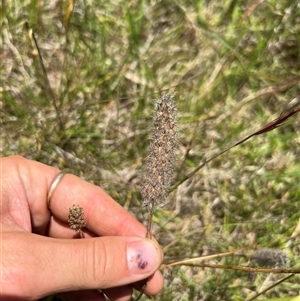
(111, 261)
(60, 265)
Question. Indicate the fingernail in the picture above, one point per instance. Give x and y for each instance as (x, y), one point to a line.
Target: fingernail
(141, 257)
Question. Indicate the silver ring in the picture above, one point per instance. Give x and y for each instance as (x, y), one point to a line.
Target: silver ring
(53, 187)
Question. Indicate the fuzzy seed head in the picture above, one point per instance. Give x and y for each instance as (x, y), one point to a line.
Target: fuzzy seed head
(270, 258)
(159, 169)
(76, 218)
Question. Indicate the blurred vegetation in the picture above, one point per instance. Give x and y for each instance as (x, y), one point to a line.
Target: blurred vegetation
(86, 105)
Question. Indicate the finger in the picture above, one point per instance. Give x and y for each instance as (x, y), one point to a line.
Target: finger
(102, 214)
(80, 264)
(154, 284)
(33, 181)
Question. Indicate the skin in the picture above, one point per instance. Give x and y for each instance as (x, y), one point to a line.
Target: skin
(39, 255)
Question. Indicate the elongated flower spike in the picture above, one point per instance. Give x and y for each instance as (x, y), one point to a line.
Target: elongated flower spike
(159, 169)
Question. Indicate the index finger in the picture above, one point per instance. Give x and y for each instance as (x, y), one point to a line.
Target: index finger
(103, 215)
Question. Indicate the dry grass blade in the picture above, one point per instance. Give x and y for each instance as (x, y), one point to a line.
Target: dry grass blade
(68, 14)
(202, 258)
(243, 268)
(51, 93)
(268, 127)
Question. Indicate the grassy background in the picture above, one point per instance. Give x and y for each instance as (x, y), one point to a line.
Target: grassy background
(234, 66)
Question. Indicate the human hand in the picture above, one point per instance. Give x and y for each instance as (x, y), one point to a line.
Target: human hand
(39, 256)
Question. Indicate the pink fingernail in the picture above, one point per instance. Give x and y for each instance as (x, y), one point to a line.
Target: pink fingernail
(141, 257)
